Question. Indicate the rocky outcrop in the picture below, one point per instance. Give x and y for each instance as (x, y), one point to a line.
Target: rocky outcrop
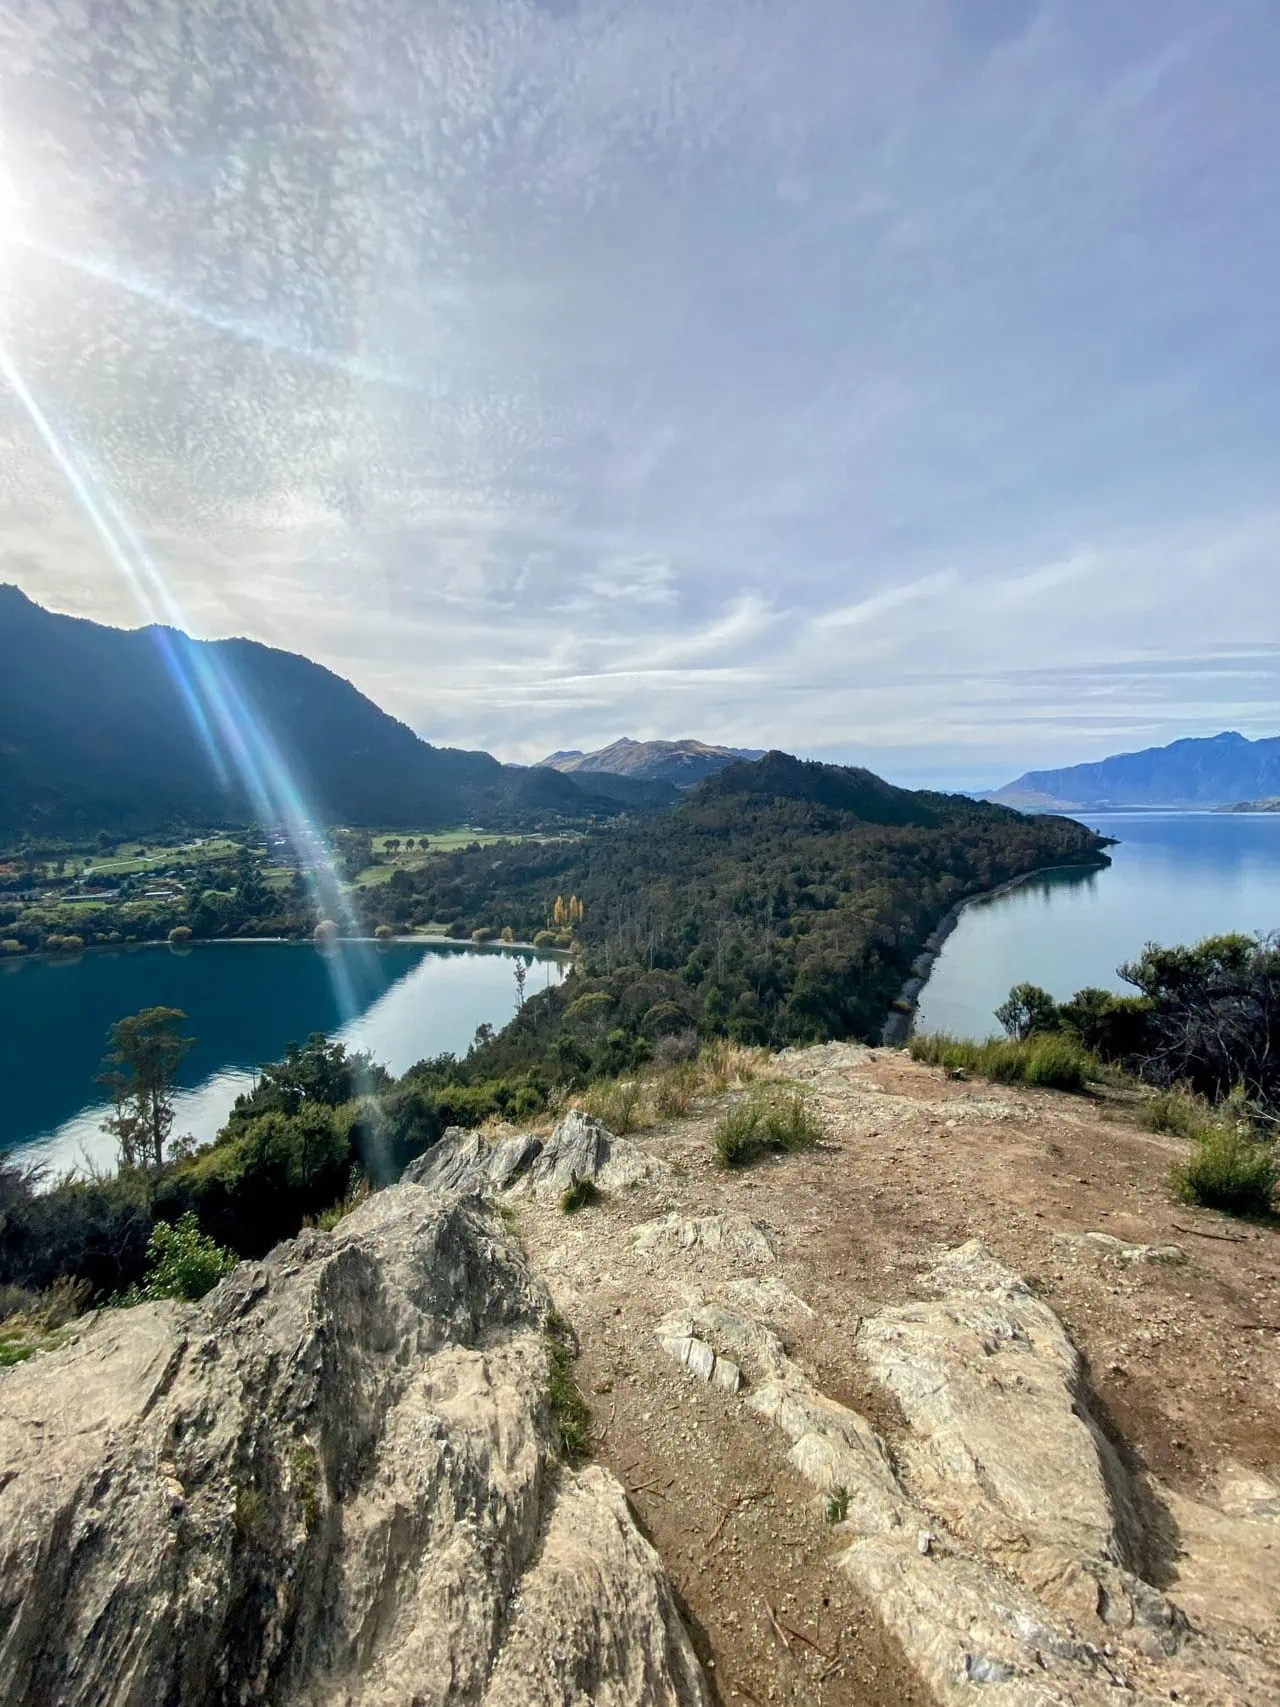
(1000, 1541)
(734, 1235)
(580, 1148)
(334, 1481)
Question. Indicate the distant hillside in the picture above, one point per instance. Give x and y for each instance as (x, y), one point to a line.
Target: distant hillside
(837, 788)
(780, 900)
(1217, 771)
(1251, 806)
(681, 763)
(137, 730)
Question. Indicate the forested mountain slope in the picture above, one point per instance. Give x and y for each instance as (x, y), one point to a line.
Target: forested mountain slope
(101, 728)
(780, 900)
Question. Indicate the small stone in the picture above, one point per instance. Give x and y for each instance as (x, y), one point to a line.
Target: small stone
(924, 1541)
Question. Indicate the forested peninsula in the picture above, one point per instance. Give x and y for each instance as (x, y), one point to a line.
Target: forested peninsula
(779, 902)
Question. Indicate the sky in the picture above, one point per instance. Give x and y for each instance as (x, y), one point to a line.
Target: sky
(894, 384)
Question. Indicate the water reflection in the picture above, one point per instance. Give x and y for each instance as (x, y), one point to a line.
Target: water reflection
(245, 1003)
(1174, 877)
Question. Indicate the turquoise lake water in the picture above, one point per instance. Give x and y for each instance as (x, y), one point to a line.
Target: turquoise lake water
(245, 1002)
(1175, 877)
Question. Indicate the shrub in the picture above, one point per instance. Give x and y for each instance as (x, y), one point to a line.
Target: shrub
(180, 934)
(1114, 1027)
(728, 1066)
(185, 1263)
(765, 1122)
(1229, 1169)
(11, 945)
(304, 1473)
(485, 933)
(384, 933)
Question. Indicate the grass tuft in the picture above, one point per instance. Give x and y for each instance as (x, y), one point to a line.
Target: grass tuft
(1180, 1113)
(1229, 1169)
(1048, 1059)
(37, 1321)
(768, 1121)
(569, 1408)
(618, 1104)
(580, 1195)
(838, 1505)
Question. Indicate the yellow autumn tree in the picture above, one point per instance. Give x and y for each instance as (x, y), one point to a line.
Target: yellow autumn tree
(575, 910)
(559, 913)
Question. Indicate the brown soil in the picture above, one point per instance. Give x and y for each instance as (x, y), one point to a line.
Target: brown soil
(1185, 1360)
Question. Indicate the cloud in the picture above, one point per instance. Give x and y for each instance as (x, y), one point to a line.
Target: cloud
(895, 383)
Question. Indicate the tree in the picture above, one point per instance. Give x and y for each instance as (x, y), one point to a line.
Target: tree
(1214, 1020)
(1027, 1008)
(144, 1054)
(252, 895)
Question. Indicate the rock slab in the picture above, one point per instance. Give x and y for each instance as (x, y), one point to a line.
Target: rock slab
(335, 1481)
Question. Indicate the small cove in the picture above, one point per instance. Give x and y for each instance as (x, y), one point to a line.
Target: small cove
(245, 1002)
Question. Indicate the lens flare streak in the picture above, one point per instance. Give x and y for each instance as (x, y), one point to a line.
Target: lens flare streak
(223, 716)
(247, 331)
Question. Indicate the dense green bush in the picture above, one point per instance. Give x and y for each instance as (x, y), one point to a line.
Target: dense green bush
(183, 1262)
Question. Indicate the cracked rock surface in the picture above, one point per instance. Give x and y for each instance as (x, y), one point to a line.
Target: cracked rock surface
(335, 1481)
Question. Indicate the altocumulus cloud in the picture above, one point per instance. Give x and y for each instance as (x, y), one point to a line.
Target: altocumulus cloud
(890, 383)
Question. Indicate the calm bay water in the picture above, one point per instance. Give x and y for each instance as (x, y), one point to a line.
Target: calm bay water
(245, 1002)
(1175, 877)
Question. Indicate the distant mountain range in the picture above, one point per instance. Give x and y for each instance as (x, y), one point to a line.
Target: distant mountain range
(134, 731)
(1220, 770)
(680, 763)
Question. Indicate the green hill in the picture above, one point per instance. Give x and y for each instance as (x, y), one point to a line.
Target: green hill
(142, 730)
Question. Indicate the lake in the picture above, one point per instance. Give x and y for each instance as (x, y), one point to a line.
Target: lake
(1175, 877)
(245, 1002)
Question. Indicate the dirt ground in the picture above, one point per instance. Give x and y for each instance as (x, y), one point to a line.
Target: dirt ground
(1184, 1359)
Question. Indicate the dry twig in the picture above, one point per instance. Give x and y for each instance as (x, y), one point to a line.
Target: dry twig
(778, 1630)
(1204, 1233)
(807, 1640)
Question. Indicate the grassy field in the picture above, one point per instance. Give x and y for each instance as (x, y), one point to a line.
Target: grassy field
(127, 860)
(441, 841)
(444, 841)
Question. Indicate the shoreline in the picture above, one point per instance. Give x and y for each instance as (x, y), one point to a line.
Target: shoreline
(900, 1020)
(63, 957)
